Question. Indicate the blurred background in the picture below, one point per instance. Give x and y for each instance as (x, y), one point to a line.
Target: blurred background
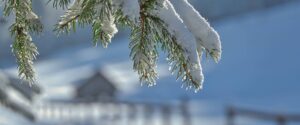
(255, 83)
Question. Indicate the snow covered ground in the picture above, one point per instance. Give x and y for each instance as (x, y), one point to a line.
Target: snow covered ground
(258, 70)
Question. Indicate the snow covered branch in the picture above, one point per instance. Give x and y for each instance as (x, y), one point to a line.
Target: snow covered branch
(185, 40)
(205, 35)
(178, 30)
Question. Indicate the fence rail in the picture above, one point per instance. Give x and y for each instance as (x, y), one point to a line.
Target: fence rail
(113, 113)
(281, 119)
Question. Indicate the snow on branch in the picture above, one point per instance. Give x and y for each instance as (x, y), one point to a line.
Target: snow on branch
(178, 30)
(70, 16)
(185, 39)
(130, 9)
(205, 35)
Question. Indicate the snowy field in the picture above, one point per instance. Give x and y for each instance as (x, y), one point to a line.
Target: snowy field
(258, 70)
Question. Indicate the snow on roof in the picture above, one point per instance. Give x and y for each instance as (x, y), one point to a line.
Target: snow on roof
(15, 99)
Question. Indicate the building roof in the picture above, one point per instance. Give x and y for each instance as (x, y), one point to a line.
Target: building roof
(95, 86)
(16, 102)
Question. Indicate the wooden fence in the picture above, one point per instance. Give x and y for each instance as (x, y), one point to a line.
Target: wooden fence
(280, 119)
(113, 113)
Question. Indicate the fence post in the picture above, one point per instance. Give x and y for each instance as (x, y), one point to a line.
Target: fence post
(184, 106)
(149, 112)
(117, 112)
(281, 120)
(230, 116)
(166, 114)
(132, 114)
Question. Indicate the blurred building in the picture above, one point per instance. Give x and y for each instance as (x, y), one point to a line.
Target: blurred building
(96, 88)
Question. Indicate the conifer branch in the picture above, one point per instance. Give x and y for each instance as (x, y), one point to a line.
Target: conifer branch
(23, 48)
(104, 26)
(144, 46)
(154, 24)
(175, 54)
(60, 3)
